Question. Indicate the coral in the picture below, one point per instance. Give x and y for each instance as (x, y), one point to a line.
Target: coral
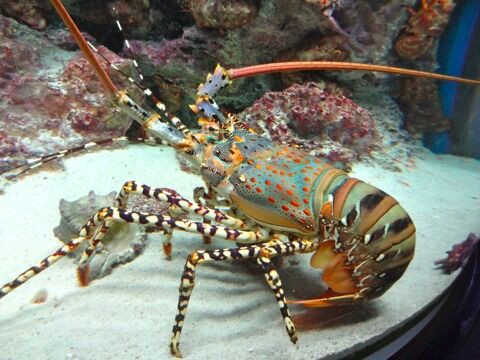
(371, 25)
(424, 26)
(458, 255)
(325, 125)
(29, 12)
(419, 100)
(333, 127)
(51, 99)
(223, 14)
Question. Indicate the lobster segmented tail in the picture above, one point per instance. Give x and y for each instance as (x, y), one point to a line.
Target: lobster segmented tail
(369, 239)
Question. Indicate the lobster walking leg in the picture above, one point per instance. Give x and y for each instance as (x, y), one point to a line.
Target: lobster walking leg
(104, 218)
(100, 223)
(45, 263)
(262, 253)
(176, 200)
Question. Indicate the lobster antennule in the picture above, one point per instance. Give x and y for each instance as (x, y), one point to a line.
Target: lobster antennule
(337, 65)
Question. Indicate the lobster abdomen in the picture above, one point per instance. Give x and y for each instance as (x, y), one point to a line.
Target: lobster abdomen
(369, 239)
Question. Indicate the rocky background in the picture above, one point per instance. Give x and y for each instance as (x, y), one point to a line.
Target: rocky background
(51, 100)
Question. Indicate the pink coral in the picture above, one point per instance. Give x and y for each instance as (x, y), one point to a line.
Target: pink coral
(332, 126)
(159, 53)
(459, 254)
(28, 12)
(49, 106)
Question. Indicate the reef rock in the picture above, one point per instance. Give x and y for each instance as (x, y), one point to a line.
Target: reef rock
(29, 12)
(324, 124)
(420, 102)
(51, 99)
(334, 127)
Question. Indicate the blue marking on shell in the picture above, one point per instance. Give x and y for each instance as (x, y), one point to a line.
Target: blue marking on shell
(208, 108)
(214, 83)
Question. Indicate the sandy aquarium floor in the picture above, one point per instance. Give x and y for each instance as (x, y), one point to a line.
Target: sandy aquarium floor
(129, 314)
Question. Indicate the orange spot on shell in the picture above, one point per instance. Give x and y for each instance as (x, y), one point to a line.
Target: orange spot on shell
(259, 190)
(289, 192)
(307, 179)
(268, 182)
(305, 201)
(252, 179)
(307, 212)
(285, 207)
(279, 187)
(294, 203)
(271, 199)
(248, 186)
(258, 166)
(305, 189)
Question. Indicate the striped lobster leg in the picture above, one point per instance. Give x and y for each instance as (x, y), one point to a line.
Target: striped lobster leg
(106, 216)
(369, 240)
(45, 263)
(71, 246)
(262, 253)
(176, 200)
(96, 228)
(177, 204)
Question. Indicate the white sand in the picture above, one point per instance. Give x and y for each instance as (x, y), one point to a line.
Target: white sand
(129, 314)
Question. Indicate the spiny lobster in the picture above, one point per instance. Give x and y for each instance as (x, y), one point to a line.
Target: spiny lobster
(280, 200)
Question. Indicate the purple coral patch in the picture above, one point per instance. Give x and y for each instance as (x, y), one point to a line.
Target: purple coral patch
(326, 125)
(458, 255)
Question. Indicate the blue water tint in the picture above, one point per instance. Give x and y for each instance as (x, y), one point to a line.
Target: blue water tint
(452, 53)
(438, 142)
(453, 49)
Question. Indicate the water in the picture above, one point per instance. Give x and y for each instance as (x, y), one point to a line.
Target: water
(375, 126)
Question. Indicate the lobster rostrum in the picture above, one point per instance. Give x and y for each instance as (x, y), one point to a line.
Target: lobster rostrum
(280, 200)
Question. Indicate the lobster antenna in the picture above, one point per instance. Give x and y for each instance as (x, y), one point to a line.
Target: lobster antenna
(336, 65)
(104, 78)
(34, 163)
